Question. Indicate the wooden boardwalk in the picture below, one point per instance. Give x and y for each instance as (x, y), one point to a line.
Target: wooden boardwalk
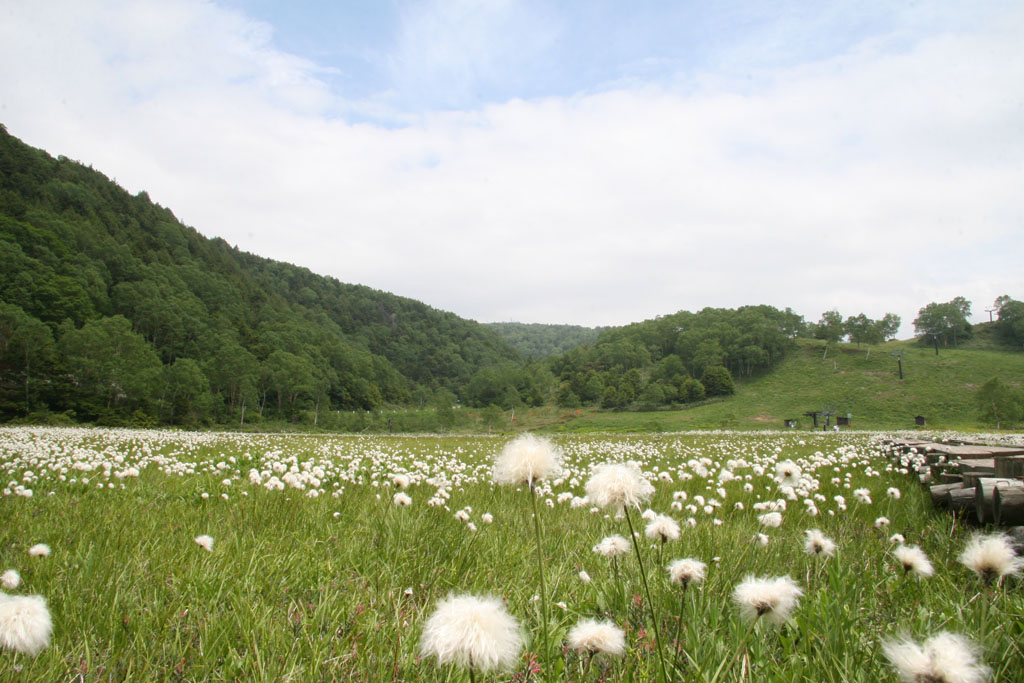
(983, 483)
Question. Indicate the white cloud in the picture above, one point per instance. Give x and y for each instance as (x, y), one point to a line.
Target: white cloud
(856, 183)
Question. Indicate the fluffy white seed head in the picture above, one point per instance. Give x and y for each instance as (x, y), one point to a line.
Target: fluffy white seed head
(913, 559)
(473, 633)
(401, 499)
(10, 579)
(618, 485)
(527, 459)
(787, 473)
(610, 546)
(687, 571)
(817, 543)
(25, 624)
(991, 557)
(772, 598)
(943, 658)
(772, 520)
(39, 550)
(597, 637)
(663, 528)
(205, 542)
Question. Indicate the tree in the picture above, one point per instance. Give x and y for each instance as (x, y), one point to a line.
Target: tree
(944, 322)
(1000, 403)
(889, 326)
(830, 327)
(1010, 324)
(26, 349)
(567, 398)
(652, 395)
(863, 330)
(717, 381)
(109, 364)
(288, 376)
(186, 390)
(692, 390)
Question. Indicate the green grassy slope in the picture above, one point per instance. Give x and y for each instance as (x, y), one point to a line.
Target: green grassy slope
(941, 388)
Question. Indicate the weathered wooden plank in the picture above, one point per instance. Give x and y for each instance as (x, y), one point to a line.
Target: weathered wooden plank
(1011, 466)
(975, 451)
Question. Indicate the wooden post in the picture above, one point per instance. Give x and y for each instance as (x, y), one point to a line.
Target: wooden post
(1008, 506)
(984, 490)
(961, 502)
(939, 491)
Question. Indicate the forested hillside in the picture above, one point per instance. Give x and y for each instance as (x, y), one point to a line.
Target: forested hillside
(678, 358)
(537, 340)
(112, 310)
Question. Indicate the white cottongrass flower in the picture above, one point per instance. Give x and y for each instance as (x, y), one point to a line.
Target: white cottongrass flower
(771, 519)
(400, 481)
(473, 633)
(401, 499)
(991, 557)
(862, 496)
(819, 544)
(39, 550)
(527, 459)
(662, 528)
(597, 637)
(914, 560)
(893, 493)
(487, 518)
(648, 515)
(881, 522)
(610, 546)
(687, 571)
(205, 542)
(761, 540)
(787, 473)
(10, 579)
(25, 624)
(897, 539)
(944, 658)
(618, 485)
(584, 576)
(771, 598)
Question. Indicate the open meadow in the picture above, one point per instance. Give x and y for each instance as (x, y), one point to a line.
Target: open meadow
(203, 556)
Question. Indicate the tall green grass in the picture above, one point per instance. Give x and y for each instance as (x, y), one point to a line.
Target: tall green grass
(327, 588)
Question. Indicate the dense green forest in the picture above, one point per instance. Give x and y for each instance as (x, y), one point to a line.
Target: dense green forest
(537, 340)
(112, 311)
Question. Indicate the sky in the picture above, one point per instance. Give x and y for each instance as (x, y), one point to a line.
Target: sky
(584, 162)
